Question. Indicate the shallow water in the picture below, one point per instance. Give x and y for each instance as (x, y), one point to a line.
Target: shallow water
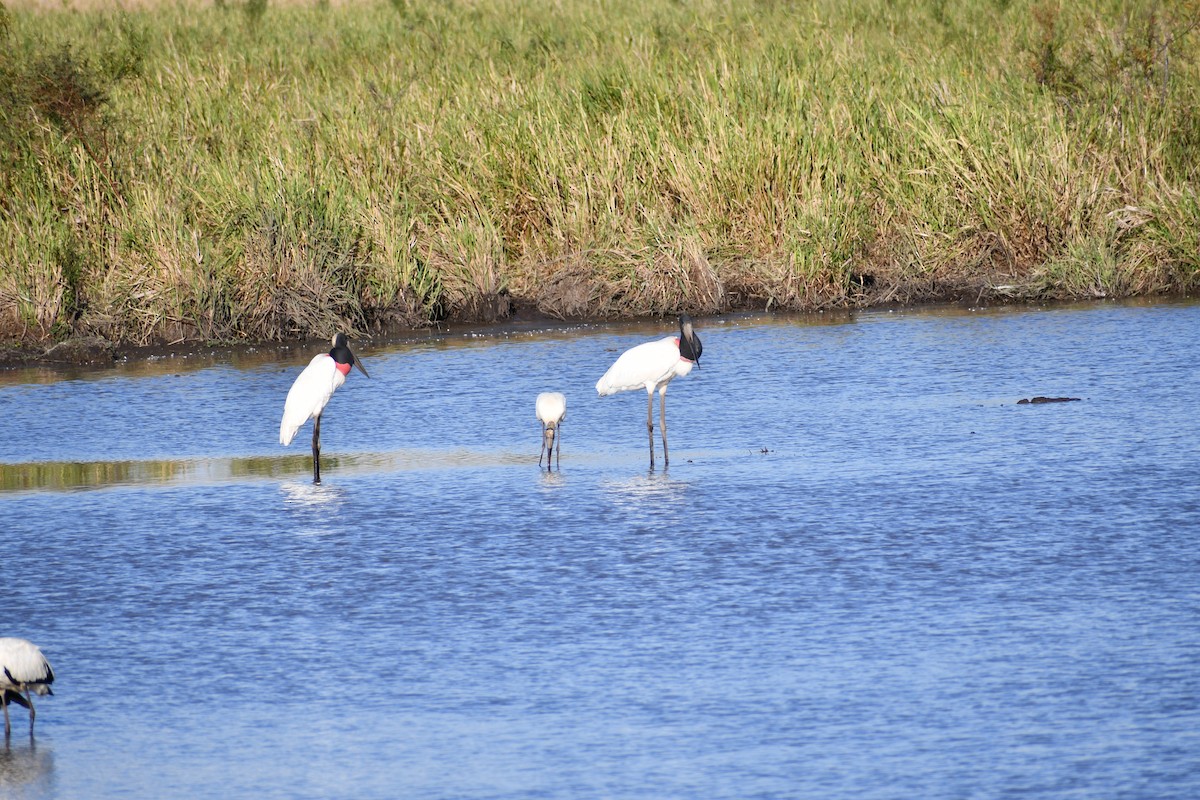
(867, 572)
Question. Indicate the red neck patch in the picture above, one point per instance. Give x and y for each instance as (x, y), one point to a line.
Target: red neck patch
(343, 368)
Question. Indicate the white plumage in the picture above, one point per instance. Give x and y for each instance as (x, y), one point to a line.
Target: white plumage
(311, 393)
(648, 366)
(651, 366)
(551, 409)
(24, 672)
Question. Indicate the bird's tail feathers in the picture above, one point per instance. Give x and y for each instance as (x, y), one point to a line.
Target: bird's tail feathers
(604, 386)
(287, 433)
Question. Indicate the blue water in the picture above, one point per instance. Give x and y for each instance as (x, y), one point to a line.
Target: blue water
(868, 572)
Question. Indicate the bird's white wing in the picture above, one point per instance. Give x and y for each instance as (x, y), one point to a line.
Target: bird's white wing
(551, 406)
(23, 660)
(309, 395)
(639, 367)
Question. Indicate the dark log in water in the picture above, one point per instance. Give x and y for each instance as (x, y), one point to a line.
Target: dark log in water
(1038, 400)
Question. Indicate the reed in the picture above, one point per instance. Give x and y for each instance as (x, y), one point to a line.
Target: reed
(253, 171)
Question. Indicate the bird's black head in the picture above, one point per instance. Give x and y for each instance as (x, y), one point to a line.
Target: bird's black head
(689, 343)
(342, 355)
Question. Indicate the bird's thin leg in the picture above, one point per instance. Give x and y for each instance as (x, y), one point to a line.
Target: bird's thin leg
(542, 449)
(317, 449)
(650, 422)
(557, 449)
(32, 712)
(7, 724)
(662, 415)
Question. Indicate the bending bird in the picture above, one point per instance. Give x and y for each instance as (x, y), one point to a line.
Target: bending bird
(551, 410)
(24, 672)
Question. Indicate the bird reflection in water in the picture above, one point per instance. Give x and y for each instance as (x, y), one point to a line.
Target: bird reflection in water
(312, 495)
(551, 480)
(659, 487)
(315, 507)
(26, 770)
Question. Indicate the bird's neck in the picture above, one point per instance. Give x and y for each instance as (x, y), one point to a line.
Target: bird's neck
(343, 368)
(682, 357)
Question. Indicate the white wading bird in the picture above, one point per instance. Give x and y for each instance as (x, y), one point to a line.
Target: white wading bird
(551, 409)
(23, 670)
(651, 366)
(311, 392)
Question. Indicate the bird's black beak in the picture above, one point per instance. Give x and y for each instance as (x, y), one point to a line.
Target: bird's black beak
(361, 368)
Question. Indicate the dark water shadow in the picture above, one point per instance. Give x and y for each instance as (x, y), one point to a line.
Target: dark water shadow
(181, 359)
(295, 469)
(78, 475)
(184, 358)
(66, 476)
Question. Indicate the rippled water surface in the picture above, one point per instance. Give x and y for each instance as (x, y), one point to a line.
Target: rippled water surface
(868, 572)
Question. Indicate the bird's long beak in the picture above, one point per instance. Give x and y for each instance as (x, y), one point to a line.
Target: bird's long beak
(361, 368)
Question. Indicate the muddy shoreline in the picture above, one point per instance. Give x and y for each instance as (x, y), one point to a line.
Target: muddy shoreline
(96, 351)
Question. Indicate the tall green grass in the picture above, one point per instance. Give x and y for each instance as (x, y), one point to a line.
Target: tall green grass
(251, 171)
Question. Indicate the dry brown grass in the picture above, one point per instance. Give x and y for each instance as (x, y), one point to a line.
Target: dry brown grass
(243, 170)
(108, 6)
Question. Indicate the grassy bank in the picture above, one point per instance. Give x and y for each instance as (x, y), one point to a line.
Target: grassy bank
(240, 170)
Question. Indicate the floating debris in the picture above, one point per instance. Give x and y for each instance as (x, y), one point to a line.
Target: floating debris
(1039, 399)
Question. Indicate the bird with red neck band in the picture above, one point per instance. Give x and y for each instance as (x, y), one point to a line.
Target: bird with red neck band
(651, 366)
(311, 393)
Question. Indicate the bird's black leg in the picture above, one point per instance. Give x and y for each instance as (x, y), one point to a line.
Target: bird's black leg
(542, 449)
(7, 724)
(662, 414)
(317, 449)
(557, 449)
(650, 423)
